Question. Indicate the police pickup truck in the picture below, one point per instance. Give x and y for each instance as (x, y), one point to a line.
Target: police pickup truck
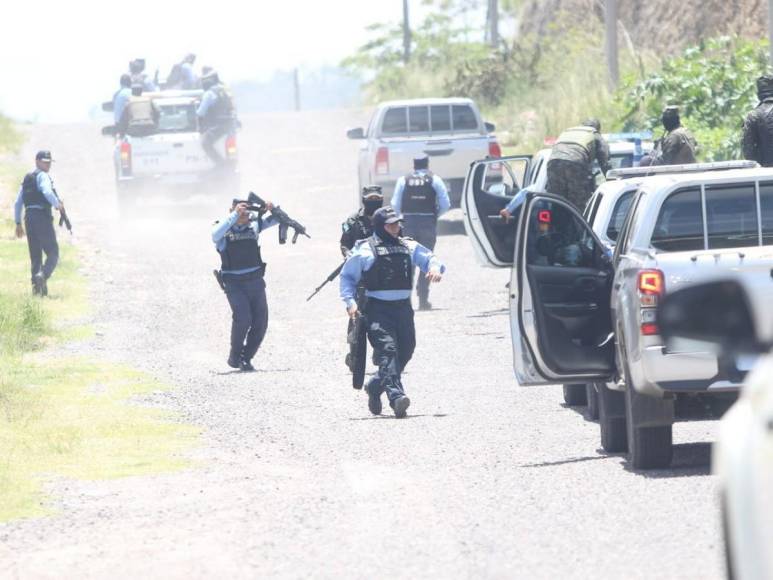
(581, 313)
(158, 145)
(449, 131)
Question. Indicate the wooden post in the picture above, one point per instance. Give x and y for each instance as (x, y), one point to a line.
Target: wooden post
(610, 18)
(406, 34)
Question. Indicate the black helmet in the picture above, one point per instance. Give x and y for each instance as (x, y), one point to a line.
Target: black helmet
(670, 117)
(210, 79)
(137, 65)
(126, 80)
(592, 122)
(765, 87)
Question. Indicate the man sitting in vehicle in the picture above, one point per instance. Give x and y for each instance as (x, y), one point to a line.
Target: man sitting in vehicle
(217, 116)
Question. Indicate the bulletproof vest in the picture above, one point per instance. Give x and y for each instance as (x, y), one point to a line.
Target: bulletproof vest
(764, 133)
(241, 250)
(392, 268)
(419, 196)
(361, 227)
(582, 136)
(222, 109)
(31, 194)
(141, 118)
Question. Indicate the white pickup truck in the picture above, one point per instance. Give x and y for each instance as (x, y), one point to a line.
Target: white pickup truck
(450, 132)
(159, 146)
(580, 313)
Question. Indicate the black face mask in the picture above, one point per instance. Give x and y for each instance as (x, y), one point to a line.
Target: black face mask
(370, 206)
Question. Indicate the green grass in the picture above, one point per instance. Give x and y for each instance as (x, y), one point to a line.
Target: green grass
(64, 417)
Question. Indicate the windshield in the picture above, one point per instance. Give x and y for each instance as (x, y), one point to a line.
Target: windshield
(176, 118)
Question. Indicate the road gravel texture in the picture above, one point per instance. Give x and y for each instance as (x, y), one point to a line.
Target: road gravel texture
(293, 477)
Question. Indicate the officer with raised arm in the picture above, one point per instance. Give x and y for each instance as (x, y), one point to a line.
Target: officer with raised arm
(422, 198)
(37, 197)
(385, 264)
(242, 269)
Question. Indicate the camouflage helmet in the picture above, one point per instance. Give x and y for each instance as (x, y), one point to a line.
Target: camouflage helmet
(592, 122)
(765, 87)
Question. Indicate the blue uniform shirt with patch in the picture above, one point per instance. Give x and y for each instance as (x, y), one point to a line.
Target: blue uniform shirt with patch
(222, 228)
(361, 259)
(46, 186)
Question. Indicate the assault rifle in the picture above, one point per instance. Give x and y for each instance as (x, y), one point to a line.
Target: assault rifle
(330, 278)
(256, 205)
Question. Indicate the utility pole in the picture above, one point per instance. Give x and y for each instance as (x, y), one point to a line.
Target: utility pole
(407, 33)
(770, 29)
(493, 23)
(610, 19)
(297, 89)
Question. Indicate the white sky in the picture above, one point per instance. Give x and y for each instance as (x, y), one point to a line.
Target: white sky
(59, 58)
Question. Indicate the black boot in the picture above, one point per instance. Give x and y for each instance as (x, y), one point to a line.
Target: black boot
(400, 406)
(235, 359)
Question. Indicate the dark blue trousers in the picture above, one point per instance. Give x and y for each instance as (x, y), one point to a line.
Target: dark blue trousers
(247, 296)
(393, 337)
(423, 229)
(41, 239)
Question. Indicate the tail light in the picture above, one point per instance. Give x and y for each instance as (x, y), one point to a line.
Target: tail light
(126, 157)
(494, 150)
(382, 161)
(652, 286)
(230, 147)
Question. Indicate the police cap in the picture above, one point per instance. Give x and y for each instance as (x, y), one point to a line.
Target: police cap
(43, 156)
(370, 190)
(386, 215)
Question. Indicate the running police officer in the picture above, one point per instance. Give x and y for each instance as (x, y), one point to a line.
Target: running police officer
(385, 263)
(37, 196)
(358, 226)
(236, 240)
(421, 197)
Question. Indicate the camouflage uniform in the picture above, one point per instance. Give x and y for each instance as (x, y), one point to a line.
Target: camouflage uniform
(570, 168)
(758, 134)
(357, 227)
(678, 147)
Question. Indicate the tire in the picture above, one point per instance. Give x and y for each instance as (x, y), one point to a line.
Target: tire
(648, 447)
(611, 406)
(593, 401)
(574, 395)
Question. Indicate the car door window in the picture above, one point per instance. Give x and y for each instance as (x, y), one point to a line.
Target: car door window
(395, 121)
(731, 216)
(464, 118)
(679, 227)
(559, 237)
(766, 212)
(440, 117)
(619, 213)
(418, 119)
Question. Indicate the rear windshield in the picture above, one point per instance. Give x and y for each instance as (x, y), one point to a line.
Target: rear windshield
(720, 217)
(429, 119)
(176, 118)
(617, 219)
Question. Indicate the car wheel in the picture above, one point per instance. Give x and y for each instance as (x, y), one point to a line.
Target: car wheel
(649, 447)
(593, 401)
(611, 406)
(574, 395)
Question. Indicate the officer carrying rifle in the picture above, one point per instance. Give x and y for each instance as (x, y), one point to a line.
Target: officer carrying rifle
(242, 270)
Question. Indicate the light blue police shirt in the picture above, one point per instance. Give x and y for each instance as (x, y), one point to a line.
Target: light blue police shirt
(120, 100)
(222, 228)
(46, 185)
(442, 201)
(361, 259)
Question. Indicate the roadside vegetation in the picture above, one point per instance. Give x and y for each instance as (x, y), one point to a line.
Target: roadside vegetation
(63, 416)
(532, 88)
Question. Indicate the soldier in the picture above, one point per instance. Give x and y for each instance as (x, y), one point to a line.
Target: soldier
(217, 115)
(678, 146)
(37, 196)
(422, 197)
(242, 269)
(385, 263)
(570, 167)
(758, 126)
(358, 226)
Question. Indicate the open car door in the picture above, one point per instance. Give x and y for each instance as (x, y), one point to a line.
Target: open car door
(560, 297)
(489, 187)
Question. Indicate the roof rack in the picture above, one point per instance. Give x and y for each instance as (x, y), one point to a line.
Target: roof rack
(648, 170)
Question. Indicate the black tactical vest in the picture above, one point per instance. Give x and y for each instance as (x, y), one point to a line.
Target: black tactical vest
(222, 109)
(31, 194)
(419, 196)
(764, 134)
(241, 250)
(392, 268)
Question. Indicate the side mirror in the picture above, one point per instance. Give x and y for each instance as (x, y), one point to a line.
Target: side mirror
(714, 312)
(490, 127)
(358, 133)
(107, 106)
(110, 131)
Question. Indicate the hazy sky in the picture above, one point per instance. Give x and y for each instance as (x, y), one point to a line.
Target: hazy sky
(59, 58)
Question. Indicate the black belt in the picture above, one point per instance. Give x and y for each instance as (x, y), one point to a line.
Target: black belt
(247, 276)
(400, 302)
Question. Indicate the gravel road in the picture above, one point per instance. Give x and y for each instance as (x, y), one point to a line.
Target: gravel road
(293, 477)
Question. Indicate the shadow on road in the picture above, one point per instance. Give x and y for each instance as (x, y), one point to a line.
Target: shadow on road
(378, 417)
(690, 460)
(567, 461)
(450, 228)
(490, 313)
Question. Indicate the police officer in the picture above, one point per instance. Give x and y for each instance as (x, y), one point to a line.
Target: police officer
(37, 196)
(570, 167)
(217, 116)
(358, 226)
(421, 197)
(678, 146)
(385, 263)
(138, 76)
(757, 139)
(121, 98)
(242, 269)
(190, 80)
